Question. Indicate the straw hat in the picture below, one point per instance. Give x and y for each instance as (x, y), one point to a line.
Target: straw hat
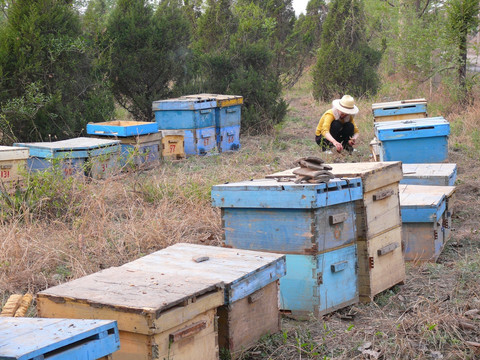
(346, 105)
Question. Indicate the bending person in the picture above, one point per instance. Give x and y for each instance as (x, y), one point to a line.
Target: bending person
(336, 127)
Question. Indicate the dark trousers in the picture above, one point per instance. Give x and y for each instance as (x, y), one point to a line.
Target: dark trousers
(340, 132)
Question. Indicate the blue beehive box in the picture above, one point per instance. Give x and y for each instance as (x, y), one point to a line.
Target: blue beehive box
(414, 141)
(313, 223)
(196, 117)
(429, 174)
(400, 110)
(57, 339)
(228, 114)
(120, 128)
(74, 155)
(288, 218)
(422, 224)
(319, 284)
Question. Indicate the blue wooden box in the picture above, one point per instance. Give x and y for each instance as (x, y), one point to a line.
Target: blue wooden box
(98, 156)
(422, 224)
(195, 116)
(288, 218)
(414, 141)
(228, 114)
(400, 110)
(122, 128)
(57, 339)
(319, 284)
(251, 286)
(429, 174)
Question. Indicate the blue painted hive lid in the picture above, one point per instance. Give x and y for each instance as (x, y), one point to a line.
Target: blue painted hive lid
(412, 129)
(421, 207)
(122, 128)
(184, 104)
(32, 338)
(242, 271)
(269, 193)
(80, 147)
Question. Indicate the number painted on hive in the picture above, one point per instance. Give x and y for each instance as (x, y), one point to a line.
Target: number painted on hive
(4, 174)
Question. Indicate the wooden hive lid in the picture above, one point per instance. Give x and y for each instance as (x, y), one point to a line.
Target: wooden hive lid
(373, 174)
(13, 153)
(419, 170)
(382, 105)
(133, 290)
(242, 271)
(448, 191)
(421, 207)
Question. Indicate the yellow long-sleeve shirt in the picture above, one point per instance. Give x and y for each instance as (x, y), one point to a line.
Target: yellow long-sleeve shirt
(326, 120)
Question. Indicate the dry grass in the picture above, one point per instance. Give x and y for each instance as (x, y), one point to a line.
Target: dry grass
(101, 224)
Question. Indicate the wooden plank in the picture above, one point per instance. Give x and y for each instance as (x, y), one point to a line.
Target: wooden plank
(242, 323)
(398, 103)
(378, 269)
(57, 339)
(400, 117)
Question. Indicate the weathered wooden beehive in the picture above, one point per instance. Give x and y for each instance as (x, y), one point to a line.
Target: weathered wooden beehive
(399, 110)
(314, 224)
(379, 234)
(447, 191)
(13, 162)
(57, 339)
(160, 316)
(429, 174)
(425, 220)
(195, 117)
(98, 157)
(228, 114)
(140, 141)
(251, 278)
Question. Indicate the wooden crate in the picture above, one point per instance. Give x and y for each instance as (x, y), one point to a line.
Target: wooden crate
(159, 315)
(414, 141)
(120, 128)
(12, 165)
(98, 157)
(57, 339)
(251, 286)
(399, 110)
(381, 264)
(429, 174)
(288, 218)
(423, 233)
(319, 284)
(173, 144)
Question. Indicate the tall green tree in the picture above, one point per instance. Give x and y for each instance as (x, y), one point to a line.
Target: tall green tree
(148, 53)
(462, 21)
(47, 88)
(345, 61)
